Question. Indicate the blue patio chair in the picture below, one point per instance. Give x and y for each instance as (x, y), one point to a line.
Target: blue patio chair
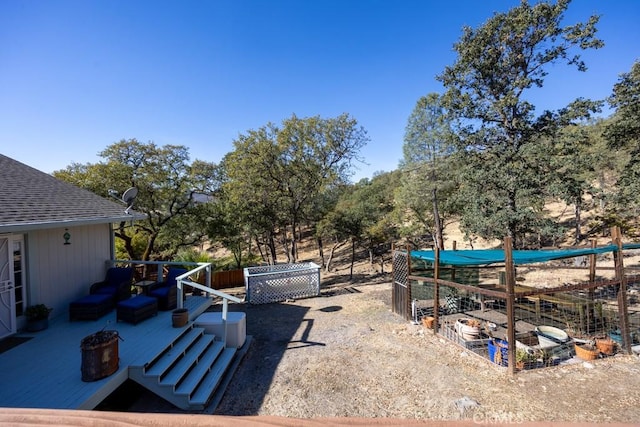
(117, 284)
(166, 292)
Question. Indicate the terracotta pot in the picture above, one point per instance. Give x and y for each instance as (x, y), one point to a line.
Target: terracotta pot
(606, 345)
(180, 317)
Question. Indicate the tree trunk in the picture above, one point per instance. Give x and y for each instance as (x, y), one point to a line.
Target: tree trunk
(511, 226)
(285, 247)
(353, 258)
(320, 250)
(578, 217)
(437, 221)
(332, 252)
(294, 241)
(263, 255)
(272, 248)
(150, 244)
(237, 255)
(128, 245)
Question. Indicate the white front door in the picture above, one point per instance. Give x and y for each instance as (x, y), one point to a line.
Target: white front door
(7, 290)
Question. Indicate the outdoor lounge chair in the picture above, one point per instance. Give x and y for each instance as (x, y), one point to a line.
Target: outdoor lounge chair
(117, 284)
(166, 292)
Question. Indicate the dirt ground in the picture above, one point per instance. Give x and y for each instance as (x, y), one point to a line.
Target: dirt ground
(346, 354)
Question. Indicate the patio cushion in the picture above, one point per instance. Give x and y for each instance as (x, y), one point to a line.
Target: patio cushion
(136, 309)
(138, 301)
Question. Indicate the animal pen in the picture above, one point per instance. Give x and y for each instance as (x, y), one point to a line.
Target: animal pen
(557, 306)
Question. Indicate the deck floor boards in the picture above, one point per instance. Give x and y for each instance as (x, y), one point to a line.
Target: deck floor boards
(45, 372)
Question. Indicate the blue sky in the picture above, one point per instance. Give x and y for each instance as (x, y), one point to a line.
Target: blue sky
(77, 76)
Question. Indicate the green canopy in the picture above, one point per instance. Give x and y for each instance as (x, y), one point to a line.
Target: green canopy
(493, 256)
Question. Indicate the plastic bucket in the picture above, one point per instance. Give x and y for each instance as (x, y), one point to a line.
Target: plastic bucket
(498, 352)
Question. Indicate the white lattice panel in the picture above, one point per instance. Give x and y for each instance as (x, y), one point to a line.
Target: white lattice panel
(282, 282)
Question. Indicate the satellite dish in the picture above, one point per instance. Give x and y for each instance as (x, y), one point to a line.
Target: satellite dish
(129, 196)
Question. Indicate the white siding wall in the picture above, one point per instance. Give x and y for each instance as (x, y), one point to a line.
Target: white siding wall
(60, 273)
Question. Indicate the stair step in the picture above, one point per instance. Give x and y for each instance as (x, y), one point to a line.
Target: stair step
(180, 369)
(212, 379)
(159, 366)
(195, 377)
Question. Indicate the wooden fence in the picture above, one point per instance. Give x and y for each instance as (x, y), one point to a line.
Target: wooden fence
(228, 279)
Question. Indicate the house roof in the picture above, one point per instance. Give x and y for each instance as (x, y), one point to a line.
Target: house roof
(31, 199)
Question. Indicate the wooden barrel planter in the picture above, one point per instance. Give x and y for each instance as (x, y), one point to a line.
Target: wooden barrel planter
(179, 317)
(100, 356)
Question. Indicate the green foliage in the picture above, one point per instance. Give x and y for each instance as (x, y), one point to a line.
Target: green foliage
(135, 244)
(193, 255)
(275, 175)
(37, 312)
(624, 130)
(500, 141)
(622, 133)
(362, 215)
(166, 183)
(423, 200)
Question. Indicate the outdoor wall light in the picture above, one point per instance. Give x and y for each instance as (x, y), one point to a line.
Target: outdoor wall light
(66, 236)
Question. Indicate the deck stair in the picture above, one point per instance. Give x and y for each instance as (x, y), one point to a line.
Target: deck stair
(189, 371)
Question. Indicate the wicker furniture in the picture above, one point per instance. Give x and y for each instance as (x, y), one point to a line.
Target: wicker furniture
(136, 309)
(90, 307)
(166, 292)
(117, 284)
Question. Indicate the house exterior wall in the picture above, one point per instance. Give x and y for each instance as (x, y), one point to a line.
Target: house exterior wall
(59, 273)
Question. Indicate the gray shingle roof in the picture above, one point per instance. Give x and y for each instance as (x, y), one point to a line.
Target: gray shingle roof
(31, 199)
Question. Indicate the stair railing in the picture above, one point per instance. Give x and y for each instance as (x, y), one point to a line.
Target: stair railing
(208, 290)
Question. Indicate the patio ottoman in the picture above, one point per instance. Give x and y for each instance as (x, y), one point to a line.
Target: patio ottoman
(136, 309)
(90, 307)
(236, 326)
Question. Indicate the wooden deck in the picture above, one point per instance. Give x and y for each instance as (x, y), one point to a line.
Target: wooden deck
(45, 371)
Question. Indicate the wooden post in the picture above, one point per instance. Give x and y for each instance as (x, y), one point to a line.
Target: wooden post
(623, 312)
(393, 277)
(592, 264)
(436, 290)
(453, 268)
(409, 296)
(591, 313)
(510, 283)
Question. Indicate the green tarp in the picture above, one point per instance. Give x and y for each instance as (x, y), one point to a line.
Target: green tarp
(493, 256)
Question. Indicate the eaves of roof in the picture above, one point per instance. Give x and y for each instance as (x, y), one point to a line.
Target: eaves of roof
(24, 226)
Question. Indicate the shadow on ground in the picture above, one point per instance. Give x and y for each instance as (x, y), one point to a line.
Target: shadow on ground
(273, 328)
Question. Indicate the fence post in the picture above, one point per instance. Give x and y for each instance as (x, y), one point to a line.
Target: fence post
(623, 311)
(510, 282)
(409, 294)
(436, 290)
